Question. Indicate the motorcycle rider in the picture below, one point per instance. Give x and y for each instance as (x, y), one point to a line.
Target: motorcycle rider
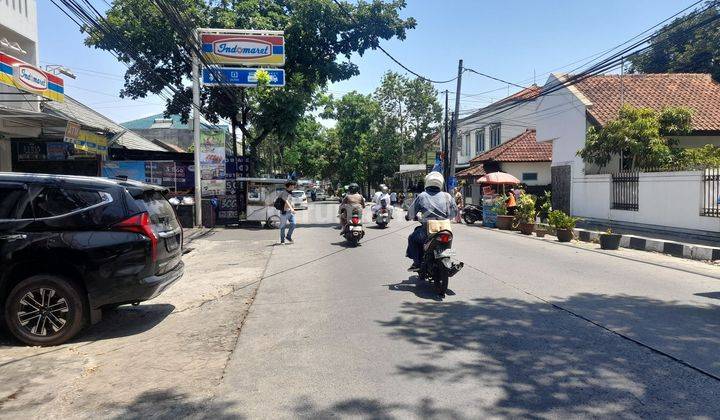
(352, 200)
(378, 199)
(434, 204)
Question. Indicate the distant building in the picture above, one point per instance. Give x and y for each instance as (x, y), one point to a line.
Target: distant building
(171, 130)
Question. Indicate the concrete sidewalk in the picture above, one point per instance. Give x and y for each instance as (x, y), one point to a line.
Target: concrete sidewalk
(162, 358)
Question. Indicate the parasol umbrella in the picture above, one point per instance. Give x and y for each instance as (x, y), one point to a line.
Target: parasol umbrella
(498, 178)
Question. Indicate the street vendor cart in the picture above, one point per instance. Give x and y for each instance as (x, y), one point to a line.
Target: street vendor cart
(261, 194)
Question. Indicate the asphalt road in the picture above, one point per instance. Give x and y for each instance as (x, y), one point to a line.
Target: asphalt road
(531, 329)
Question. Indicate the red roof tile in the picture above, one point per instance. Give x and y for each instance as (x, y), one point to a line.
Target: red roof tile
(657, 91)
(470, 172)
(523, 148)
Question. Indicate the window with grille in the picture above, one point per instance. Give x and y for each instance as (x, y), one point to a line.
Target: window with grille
(495, 135)
(480, 141)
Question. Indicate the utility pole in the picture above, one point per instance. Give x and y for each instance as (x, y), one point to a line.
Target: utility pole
(446, 136)
(196, 139)
(453, 129)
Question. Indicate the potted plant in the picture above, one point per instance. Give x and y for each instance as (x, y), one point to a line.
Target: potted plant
(563, 224)
(504, 221)
(540, 232)
(610, 240)
(526, 214)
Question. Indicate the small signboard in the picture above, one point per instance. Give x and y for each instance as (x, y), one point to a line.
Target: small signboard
(28, 78)
(244, 47)
(244, 77)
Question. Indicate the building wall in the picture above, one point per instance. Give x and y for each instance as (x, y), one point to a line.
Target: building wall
(666, 199)
(18, 23)
(516, 169)
(562, 120)
(697, 141)
(513, 122)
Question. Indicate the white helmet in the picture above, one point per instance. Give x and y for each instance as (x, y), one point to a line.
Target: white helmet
(383, 188)
(434, 179)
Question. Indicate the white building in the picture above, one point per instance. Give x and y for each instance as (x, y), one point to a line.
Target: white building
(666, 200)
(495, 124)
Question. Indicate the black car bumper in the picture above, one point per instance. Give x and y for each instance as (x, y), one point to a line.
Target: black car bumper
(137, 290)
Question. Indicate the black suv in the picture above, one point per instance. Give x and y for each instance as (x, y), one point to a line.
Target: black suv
(71, 246)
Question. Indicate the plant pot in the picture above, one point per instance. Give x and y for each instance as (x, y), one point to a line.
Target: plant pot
(610, 241)
(540, 233)
(526, 228)
(565, 235)
(504, 222)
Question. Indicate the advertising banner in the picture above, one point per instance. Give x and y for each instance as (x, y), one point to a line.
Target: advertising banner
(132, 169)
(87, 141)
(28, 78)
(243, 77)
(244, 48)
(212, 163)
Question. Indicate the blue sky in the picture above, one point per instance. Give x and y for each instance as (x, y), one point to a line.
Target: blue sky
(508, 39)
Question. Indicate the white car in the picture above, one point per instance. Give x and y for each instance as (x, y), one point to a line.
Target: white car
(299, 200)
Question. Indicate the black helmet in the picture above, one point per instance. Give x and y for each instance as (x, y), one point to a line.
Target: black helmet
(353, 188)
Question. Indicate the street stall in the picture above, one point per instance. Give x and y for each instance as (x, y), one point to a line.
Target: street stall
(489, 182)
(261, 194)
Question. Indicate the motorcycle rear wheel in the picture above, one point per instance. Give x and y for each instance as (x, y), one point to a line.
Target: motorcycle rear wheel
(440, 278)
(469, 219)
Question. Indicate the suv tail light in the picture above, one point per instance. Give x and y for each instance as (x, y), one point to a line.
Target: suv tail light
(355, 220)
(444, 238)
(140, 223)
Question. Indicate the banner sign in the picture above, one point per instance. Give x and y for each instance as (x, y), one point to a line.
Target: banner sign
(244, 77)
(89, 142)
(212, 163)
(131, 169)
(26, 77)
(250, 48)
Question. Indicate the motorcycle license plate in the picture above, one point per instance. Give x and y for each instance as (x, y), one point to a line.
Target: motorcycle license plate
(356, 228)
(446, 253)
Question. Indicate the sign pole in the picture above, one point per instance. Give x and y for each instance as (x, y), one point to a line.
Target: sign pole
(196, 140)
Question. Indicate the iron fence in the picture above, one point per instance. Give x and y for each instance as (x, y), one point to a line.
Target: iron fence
(625, 190)
(711, 193)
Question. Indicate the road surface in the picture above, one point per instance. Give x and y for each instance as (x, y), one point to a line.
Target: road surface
(531, 328)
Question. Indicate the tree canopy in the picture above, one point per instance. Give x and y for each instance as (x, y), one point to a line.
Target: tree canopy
(640, 135)
(686, 45)
(320, 38)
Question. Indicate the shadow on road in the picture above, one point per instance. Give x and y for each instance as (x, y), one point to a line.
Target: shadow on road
(126, 320)
(368, 408)
(711, 295)
(544, 362)
(421, 289)
(166, 404)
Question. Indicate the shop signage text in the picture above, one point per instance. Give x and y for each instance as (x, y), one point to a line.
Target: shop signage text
(244, 49)
(26, 77)
(240, 76)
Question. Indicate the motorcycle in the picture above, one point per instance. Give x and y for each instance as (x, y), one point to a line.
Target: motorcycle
(353, 229)
(472, 213)
(438, 263)
(382, 218)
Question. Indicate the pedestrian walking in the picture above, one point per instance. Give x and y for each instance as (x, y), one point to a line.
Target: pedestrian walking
(511, 203)
(287, 214)
(393, 198)
(460, 203)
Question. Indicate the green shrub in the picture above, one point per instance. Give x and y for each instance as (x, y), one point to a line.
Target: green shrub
(526, 208)
(559, 220)
(500, 208)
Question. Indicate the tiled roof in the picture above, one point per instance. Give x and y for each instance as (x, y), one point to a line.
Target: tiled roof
(72, 110)
(473, 171)
(523, 148)
(657, 91)
(527, 94)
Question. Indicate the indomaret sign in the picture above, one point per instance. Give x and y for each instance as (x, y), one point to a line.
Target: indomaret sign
(244, 48)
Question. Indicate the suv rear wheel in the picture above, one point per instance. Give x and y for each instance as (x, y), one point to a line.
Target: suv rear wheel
(44, 310)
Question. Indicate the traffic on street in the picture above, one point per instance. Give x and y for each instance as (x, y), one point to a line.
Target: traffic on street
(367, 209)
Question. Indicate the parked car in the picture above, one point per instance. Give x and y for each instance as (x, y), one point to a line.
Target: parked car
(71, 246)
(299, 200)
(320, 195)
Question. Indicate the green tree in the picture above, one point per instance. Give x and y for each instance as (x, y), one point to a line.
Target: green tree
(411, 108)
(320, 39)
(641, 135)
(684, 46)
